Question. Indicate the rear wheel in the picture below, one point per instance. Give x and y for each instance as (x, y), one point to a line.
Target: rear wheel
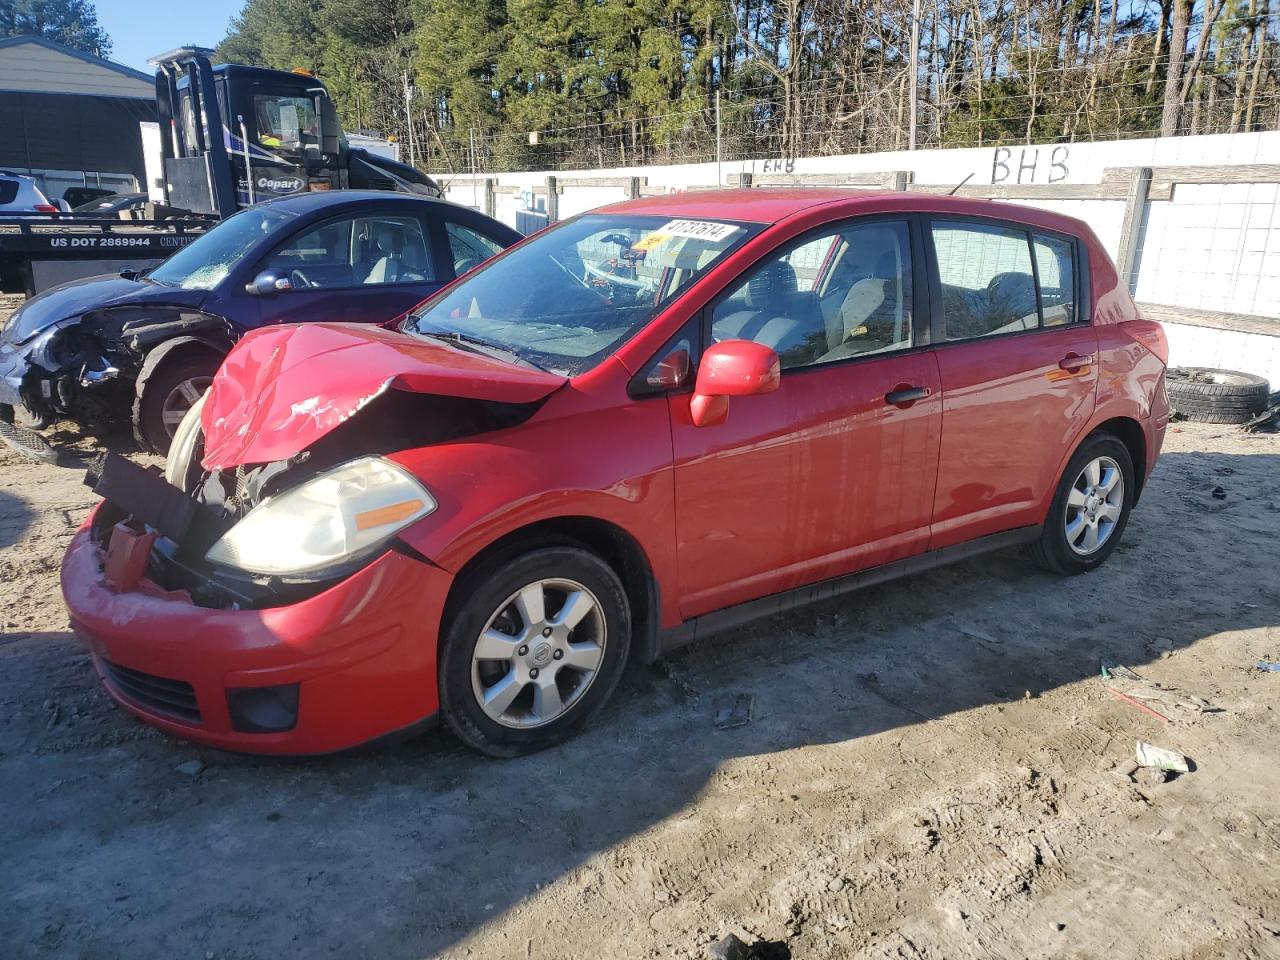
(532, 650)
(165, 396)
(1090, 507)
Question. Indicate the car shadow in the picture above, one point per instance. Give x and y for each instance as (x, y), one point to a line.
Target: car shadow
(407, 848)
(16, 517)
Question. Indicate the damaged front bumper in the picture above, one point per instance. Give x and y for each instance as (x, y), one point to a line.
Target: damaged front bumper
(15, 365)
(49, 379)
(344, 666)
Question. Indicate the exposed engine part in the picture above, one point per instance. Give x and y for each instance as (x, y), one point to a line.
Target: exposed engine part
(84, 369)
(102, 371)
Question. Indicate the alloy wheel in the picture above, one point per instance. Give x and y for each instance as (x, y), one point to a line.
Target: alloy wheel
(538, 653)
(181, 399)
(1094, 505)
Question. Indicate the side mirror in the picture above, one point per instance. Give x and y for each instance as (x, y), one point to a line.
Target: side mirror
(266, 283)
(327, 121)
(731, 368)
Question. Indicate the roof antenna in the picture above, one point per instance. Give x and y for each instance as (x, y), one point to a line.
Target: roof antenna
(952, 191)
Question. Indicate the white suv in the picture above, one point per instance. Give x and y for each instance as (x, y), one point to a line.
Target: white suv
(19, 195)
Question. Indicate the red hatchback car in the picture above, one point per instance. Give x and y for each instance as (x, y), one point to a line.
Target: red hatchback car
(646, 424)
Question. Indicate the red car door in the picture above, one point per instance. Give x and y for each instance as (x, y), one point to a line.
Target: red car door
(834, 471)
(1017, 359)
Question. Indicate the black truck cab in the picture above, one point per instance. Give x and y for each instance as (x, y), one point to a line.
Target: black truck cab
(233, 136)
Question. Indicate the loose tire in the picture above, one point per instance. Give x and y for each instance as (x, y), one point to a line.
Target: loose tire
(1090, 507)
(164, 397)
(1216, 396)
(532, 648)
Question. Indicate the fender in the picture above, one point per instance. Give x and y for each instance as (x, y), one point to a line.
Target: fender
(491, 486)
(1128, 379)
(178, 344)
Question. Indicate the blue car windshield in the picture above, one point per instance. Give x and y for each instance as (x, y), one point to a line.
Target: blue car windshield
(203, 263)
(569, 297)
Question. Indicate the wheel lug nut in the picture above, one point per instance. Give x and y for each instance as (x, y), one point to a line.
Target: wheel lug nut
(533, 674)
(546, 631)
(522, 651)
(558, 655)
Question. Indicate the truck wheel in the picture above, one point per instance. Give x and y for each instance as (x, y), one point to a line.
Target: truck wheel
(1216, 396)
(165, 396)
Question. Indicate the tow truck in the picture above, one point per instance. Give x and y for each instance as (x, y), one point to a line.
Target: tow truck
(230, 136)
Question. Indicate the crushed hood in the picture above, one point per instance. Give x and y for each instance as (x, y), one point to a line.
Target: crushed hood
(96, 293)
(280, 390)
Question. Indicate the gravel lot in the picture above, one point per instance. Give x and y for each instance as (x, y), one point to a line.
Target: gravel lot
(932, 769)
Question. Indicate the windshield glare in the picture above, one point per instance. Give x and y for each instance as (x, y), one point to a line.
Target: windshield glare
(570, 297)
(202, 264)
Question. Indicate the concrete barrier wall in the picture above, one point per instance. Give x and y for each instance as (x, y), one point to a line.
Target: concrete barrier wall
(1193, 221)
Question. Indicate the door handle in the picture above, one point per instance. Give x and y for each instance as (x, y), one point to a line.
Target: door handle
(1073, 362)
(905, 395)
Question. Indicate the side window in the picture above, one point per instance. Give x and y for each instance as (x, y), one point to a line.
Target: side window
(353, 252)
(843, 294)
(987, 282)
(1055, 265)
(468, 248)
(391, 250)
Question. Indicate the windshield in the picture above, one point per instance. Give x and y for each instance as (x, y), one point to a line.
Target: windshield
(203, 263)
(568, 298)
(285, 123)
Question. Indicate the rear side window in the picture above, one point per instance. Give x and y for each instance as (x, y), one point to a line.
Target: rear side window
(8, 190)
(1055, 266)
(988, 286)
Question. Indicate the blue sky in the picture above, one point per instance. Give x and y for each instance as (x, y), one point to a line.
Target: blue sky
(143, 28)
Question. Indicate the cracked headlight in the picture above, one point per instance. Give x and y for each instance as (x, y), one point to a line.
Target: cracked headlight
(325, 522)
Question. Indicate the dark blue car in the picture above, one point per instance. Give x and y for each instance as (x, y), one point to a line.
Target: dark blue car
(146, 345)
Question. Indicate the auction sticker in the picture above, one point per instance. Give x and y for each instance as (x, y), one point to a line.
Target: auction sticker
(698, 230)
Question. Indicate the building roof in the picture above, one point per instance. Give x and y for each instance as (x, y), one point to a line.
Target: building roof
(31, 64)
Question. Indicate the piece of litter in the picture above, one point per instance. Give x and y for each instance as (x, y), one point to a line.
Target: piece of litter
(1143, 689)
(192, 768)
(1124, 673)
(1141, 706)
(1173, 698)
(1268, 665)
(1149, 755)
(734, 712)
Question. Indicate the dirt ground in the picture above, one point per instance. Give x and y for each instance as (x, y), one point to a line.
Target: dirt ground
(932, 769)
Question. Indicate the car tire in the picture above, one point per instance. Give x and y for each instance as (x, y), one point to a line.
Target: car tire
(543, 691)
(1216, 396)
(1084, 502)
(165, 395)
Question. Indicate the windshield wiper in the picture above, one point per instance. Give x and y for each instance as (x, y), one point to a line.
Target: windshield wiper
(472, 344)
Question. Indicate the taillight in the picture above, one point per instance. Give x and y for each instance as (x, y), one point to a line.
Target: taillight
(46, 208)
(1151, 335)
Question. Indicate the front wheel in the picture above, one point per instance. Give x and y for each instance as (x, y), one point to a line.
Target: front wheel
(164, 397)
(532, 650)
(1089, 509)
